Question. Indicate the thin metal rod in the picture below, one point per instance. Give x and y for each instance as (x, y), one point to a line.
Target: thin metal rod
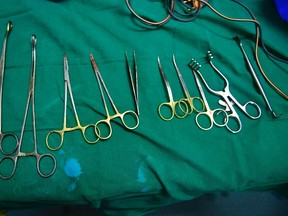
(2, 68)
(273, 114)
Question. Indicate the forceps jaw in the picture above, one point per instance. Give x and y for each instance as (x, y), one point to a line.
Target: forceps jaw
(134, 82)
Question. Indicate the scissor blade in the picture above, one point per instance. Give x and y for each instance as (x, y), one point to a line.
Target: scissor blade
(183, 84)
(201, 90)
(168, 87)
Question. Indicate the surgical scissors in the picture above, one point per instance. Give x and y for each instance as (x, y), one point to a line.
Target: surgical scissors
(117, 114)
(2, 69)
(211, 114)
(171, 104)
(34, 153)
(230, 100)
(188, 99)
(61, 132)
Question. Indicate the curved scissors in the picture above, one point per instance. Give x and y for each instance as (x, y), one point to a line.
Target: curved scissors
(117, 114)
(171, 105)
(2, 69)
(211, 114)
(18, 153)
(229, 99)
(65, 128)
(188, 99)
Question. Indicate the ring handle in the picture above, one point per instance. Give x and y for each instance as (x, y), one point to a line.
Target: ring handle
(39, 159)
(107, 124)
(3, 136)
(253, 104)
(14, 160)
(59, 133)
(200, 125)
(169, 106)
(124, 120)
(96, 130)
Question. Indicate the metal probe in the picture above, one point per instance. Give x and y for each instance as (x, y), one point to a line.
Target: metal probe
(273, 114)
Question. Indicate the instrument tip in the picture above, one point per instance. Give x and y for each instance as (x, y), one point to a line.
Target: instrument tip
(237, 39)
(91, 57)
(9, 27)
(209, 55)
(33, 39)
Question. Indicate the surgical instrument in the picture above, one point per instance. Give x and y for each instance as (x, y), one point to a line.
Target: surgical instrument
(83, 129)
(171, 104)
(254, 75)
(18, 153)
(123, 116)
(2, 70)
(133, 81)
(211, 114)
(230, 100)
(188, 99)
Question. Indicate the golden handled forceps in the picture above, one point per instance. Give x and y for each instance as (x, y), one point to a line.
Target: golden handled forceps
(2, 69)
(123, 116)
(83, 129)
(188, 99)
(211, 114)
(176, 108)
(18, 153)
(230, 100)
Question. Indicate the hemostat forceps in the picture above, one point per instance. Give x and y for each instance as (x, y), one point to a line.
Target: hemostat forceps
(2, 69)
(182, 106)
(34, 153)
(229, 99)
(188, 99)
(211, 114)
(61, 132)
(127, 124)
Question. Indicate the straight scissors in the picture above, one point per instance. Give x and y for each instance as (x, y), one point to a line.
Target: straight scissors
(211, 114)
(188, 99)
(2, 69)
(34, 153)
(117, 114)
(173, 106)
(61, 132)
(230, 100)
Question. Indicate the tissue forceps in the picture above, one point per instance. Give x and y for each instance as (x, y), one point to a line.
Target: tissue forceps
(2, 70)
(61, 132)
(171, 104)
(117, 114)
(229, 99)
(211, 114)
(30, 99)
(188, 98)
